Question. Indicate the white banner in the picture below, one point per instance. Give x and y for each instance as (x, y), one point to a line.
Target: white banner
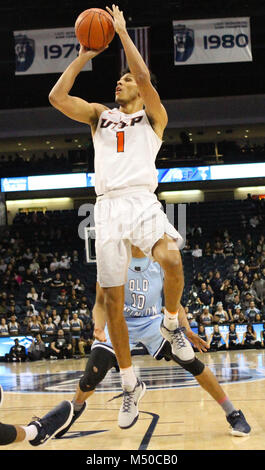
(212, 41)
(46, 50)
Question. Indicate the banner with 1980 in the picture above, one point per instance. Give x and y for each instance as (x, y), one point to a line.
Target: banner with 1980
(45, 50)
(212, 41)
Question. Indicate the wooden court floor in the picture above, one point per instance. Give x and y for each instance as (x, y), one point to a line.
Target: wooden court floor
(175, 413)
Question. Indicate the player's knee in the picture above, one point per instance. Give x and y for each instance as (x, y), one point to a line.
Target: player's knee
(99, 363)
(195, 367)
(8, 434)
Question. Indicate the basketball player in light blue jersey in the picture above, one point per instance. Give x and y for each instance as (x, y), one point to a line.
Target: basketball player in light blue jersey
(142, 311)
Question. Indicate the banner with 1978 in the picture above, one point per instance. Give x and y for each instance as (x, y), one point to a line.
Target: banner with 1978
(212, 41)
(46, 50)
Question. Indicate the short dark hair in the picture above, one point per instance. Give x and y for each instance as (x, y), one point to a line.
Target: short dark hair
(152, 76)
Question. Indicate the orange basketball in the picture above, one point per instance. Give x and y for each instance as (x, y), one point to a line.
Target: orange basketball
(94, 28)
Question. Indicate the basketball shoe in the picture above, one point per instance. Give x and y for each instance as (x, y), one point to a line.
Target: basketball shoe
(53, 422)
(238, 424)
(181, 347)
(129, 413)
(74, 418)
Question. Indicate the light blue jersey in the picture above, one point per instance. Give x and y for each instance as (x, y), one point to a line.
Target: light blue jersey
(142, 308)
(144, 289)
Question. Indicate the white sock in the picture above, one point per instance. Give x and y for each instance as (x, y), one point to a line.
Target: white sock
(170, 320)
(128, 378)
(31, 432)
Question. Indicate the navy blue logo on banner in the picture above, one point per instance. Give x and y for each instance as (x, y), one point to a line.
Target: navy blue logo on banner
(25, 52)
(183, 42)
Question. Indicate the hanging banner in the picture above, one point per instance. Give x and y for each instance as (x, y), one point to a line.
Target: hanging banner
(212, 41)
(140, 37)
(46, 50)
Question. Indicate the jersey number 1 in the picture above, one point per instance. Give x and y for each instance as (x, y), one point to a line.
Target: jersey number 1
(120, 141)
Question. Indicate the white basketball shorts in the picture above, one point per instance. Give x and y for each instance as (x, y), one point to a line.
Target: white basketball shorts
(132, 216)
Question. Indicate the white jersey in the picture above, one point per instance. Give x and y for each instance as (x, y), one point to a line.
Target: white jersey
(126, 147)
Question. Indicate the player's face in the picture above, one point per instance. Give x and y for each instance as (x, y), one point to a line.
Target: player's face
(126, 89)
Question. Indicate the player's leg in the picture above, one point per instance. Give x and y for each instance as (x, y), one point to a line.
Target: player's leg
(100, 361)
(208, 381)
(40, 431)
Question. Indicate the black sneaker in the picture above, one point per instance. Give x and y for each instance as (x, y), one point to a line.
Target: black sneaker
(54, 421)
(1, 396)
(74, 418)
(238, 424)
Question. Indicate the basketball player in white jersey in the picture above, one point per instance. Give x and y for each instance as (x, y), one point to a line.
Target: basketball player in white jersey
(126, 142)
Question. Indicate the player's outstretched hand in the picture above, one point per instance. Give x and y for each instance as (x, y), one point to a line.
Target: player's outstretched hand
(118, 18)
(197, 342)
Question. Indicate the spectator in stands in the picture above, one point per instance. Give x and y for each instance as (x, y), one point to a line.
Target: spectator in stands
(246, 299)
(228, 247)
(218, 249)
(75, 257)
(34, 266)
(57, 281)
(234, 268)
(194, 303)
(3, 266)
(65, 325)
(208, 249)
(34, 326)
(62, 298)
(232, 339)
(17, 353)
(55, 317)
(86, 339)
(69, 283)
(251, 312)
(54, 265)
(202, 333)
(220, 315)
(84, 313)
(13, 326)
(249, 340)
(76, 328)
(28, 255)
(33, 295)
(3, 328)
(259, 286)
(197, 252)
(78, 286)
(239, 249)
(29, 277)
(64, 263)
(37, 349)
(205, 296)
(215, 340)
(216, 285)
(50, 329)
(239, 280)
(206, 317)
(61, 348)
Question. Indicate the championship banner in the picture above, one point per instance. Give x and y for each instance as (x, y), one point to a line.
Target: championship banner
(140, 37)
(46, 50)
(212, 41)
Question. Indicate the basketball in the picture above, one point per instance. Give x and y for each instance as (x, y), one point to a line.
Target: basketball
(94, 28)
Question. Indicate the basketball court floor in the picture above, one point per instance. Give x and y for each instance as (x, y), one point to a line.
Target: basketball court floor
(175, 413)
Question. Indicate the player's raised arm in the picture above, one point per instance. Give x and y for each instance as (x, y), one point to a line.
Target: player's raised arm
(153, 106)
(72, 106)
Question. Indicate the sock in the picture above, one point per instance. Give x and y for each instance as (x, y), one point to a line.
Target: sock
(227, 406)
(31, 432)
(170, 320)
(77, 406)
(128, 378)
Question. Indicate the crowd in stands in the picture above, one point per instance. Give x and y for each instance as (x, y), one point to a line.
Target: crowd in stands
(48, 291)
(183, 154)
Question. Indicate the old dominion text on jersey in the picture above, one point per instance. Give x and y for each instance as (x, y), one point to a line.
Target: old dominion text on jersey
(144, 289)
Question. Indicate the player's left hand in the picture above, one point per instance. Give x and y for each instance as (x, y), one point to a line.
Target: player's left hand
(118, 19)
(197, 342)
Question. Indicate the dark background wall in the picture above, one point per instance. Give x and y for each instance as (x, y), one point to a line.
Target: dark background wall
(174, 82)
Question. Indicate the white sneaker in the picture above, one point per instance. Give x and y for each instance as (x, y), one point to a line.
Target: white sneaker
(181, 347)
(129, 413)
